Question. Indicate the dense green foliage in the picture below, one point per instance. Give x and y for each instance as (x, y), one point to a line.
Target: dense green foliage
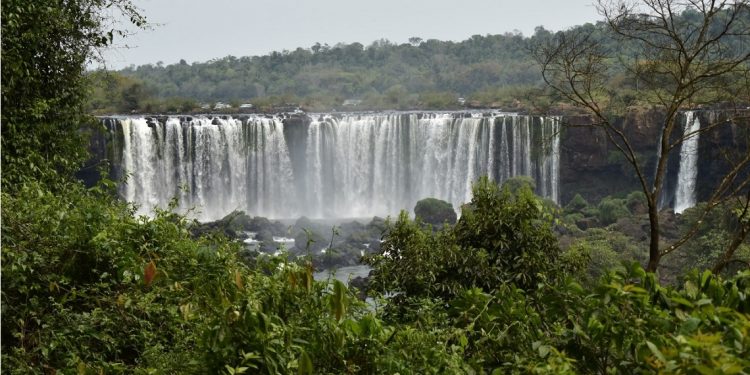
(500, 239)
(614, 230)
(556, 320)
(426, 74)
(710, 241)
(90, 288)
(76, 288)
(81, 268)
(435, 211)
(45, 47)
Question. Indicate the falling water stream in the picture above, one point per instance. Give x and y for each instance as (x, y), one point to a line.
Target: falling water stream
(688, 172)
(354, 165)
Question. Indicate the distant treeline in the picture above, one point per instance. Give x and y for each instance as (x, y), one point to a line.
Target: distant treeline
(418, 74)
(487, 71)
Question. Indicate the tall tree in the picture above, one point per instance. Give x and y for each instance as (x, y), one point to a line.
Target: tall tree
(46, 45)
(681, 54)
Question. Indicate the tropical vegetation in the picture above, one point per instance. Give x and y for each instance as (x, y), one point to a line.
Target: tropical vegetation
(89, 287)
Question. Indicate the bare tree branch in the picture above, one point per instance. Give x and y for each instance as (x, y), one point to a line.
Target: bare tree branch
(683, 54)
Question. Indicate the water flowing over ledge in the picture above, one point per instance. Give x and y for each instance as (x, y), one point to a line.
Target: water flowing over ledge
(688, 172)
(328, 166)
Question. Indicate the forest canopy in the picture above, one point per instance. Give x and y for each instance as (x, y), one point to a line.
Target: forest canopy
(486, 70)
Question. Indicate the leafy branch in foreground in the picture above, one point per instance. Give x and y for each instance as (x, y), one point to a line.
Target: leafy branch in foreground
(46, 46)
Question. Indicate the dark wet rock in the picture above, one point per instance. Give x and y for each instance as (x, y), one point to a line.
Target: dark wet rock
(351, 227)
(236, 224)
(264, 235)
(362, 285)
(259, 224)
(303, 223)
(314, 240)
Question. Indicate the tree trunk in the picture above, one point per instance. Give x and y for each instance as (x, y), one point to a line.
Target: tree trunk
(654, 255)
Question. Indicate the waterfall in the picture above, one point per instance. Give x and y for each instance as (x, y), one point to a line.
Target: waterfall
(212, 165)
(688, 171)
(342, 166)
(550, 169)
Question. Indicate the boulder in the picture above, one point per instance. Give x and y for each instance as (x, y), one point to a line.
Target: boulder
(259, 224)
(264, 235)
(317, 241)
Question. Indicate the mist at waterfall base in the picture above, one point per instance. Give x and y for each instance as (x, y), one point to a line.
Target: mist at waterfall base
(328, 166)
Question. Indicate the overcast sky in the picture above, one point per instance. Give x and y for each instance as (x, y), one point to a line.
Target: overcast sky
(201, 30)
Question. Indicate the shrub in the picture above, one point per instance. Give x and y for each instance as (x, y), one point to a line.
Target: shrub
(87, 285)
(435, 211)
(577, 204)
(513, 228)
(601, 258)
(636, 202)
(514, 184)
(611, 209)
(500, 238)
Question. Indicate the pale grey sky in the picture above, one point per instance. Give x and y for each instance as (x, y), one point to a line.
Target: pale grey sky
(201, 30)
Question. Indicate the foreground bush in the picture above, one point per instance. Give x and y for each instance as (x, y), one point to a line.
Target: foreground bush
(90, 288)
(512, 306)
(88, 285)
(501, 238)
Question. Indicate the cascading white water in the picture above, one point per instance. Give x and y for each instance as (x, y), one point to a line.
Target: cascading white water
(347, 166)
(550, 168)
(212, 165)
(688, 172)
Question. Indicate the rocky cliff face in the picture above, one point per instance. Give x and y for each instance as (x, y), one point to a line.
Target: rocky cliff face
(593, 166)
(721, 147)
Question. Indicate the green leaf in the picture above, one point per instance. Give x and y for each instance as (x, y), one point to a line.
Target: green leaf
(656, 352)
(543, 350)
(463, 341)
(705, 370)
(339, 299)
(305, 364)
(689, 326)
(681, 301)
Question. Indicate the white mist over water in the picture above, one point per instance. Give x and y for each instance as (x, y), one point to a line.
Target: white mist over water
(688, 172)
(347, 165)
